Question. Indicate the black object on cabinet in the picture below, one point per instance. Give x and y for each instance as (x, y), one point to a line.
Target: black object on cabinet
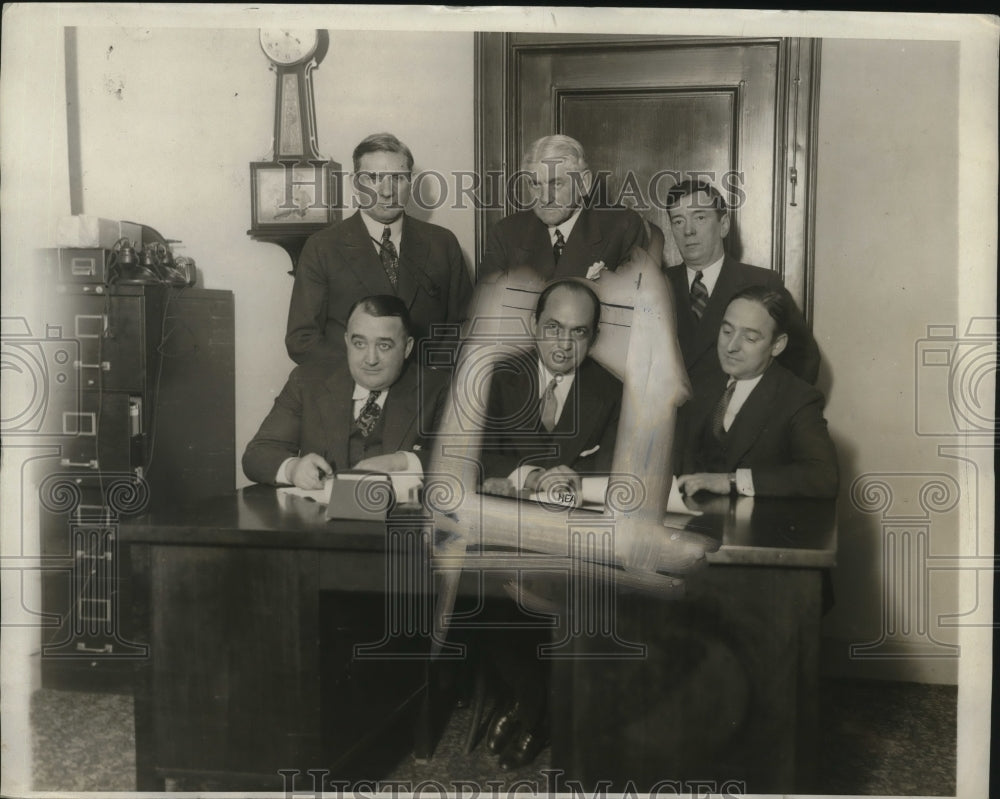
(144, 421)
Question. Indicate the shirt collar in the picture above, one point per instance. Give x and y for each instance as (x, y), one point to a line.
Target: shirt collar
(709, 275)
(563, 382)
(361, 393)
(375, 228)
(565, 227)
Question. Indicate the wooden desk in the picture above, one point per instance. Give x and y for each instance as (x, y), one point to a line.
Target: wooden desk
(252, 603)
(724, 696)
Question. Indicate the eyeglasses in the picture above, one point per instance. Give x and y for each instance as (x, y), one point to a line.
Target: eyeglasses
(373, 179)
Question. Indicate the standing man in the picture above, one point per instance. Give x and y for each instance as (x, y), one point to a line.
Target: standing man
(552, 415)
(703, 285)
(764, 433)
(559, 236)
(366, 410)
(378, 250)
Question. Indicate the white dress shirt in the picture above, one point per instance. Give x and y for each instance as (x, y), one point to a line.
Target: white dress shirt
(709, 275)
(742, 391)
(375, 229)
(564, 227)
(563, 384)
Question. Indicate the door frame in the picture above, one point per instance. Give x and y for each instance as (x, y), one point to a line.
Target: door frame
(497, 58)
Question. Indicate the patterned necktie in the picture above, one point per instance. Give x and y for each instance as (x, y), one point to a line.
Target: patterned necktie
(368, 417)
(557, 247)
(699, 295)
(719, 416)
(547, 406)
(389, 256)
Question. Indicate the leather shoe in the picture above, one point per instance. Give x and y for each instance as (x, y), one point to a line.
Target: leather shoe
(502, 729)
(522, 750)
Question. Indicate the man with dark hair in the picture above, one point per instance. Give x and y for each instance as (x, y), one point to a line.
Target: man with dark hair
(378, 250)
(552, 412)
(552, 416)
(703, 285)
(763, 434)
(559, 235)
(367, 410)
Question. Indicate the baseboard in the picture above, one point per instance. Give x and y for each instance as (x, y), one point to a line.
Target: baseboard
(908, 663)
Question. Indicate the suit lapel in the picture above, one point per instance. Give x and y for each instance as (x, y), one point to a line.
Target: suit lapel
(534, 247)
(337, 410)
(582, 247)
(706, 334)
(412, 259)
(361, 257)
(753, 416)
(401, 410)
(686, 324)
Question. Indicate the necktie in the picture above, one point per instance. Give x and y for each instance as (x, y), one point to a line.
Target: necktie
(389, 256)
(547, 406)
(719, 416)
(557, 247)
(369, 413)
(699, 295)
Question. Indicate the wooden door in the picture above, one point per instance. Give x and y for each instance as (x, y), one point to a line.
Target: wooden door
(650, 111)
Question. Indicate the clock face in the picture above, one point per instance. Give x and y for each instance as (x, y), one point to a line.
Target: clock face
(286, 47)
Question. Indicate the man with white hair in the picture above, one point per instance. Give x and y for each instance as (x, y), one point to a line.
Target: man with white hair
(561, 234)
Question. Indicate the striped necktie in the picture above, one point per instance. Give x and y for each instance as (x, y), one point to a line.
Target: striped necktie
(699, 295)
(719, 415)
(389, 256)
(547, 406)
(557, 246)
(368, 417)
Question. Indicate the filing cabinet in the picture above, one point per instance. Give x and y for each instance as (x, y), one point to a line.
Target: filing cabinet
(143, 416)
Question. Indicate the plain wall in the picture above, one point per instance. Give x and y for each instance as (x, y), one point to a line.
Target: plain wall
(171, 119)
(886, 249)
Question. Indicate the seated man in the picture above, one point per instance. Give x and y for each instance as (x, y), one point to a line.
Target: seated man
(363, 412)
(552, 415)
(761, 432)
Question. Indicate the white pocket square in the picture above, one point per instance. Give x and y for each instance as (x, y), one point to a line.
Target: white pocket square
(591, 451)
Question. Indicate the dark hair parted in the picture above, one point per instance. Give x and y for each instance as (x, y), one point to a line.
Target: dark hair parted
(578, 287)
(381, 143)
(384, 305)
(690, 187)
(775, 302)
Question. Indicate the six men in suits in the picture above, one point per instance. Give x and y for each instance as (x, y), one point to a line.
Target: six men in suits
(754, 426)
(378, 250)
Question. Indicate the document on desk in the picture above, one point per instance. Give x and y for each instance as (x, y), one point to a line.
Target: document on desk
(356, 494)
(594, 491)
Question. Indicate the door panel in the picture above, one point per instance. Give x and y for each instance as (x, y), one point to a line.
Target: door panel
(652, 110)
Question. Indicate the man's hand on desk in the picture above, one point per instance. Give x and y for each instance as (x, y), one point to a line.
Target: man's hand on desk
(309, 471)
(499, 486)
(559, 483)
(691, 484)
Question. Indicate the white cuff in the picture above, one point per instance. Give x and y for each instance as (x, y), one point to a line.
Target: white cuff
(282, 476)
(520, 475)
(744, 482)
(413, 464)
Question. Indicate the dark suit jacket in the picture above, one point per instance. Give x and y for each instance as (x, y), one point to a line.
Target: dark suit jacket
(600, 234)
(314, 413)
(699, 338)
(340, 265)
(513, 434)
(779, 433)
